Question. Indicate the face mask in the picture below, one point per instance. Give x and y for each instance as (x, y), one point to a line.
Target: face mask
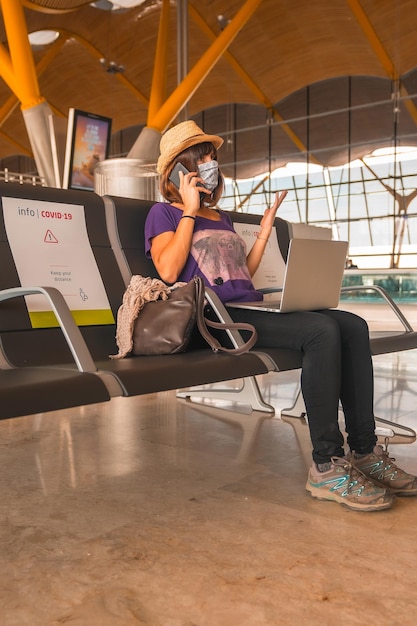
(209, 172)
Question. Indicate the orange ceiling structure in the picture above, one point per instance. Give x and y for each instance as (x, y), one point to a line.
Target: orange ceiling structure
(289, 65)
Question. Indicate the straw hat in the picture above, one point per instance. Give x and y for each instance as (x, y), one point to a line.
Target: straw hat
(179, 138)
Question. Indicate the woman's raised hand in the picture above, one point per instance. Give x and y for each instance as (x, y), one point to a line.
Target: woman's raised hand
(267, 220)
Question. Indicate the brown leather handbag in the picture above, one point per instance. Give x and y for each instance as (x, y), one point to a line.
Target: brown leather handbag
(165, 326)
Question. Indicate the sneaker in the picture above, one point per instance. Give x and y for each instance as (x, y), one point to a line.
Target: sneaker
(381, 469)
(343, 483)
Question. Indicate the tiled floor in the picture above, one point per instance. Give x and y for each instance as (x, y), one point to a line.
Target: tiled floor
(152, 511)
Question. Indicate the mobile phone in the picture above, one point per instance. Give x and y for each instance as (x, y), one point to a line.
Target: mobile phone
(174, 177)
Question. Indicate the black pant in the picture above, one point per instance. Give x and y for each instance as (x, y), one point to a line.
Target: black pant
(337, 365)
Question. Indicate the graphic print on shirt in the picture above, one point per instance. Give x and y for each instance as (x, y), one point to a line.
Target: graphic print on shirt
(220, 255)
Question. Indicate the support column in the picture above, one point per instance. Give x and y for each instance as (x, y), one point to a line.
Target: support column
(160, 119)
(18, 70)
(38, 126)
(182, 50)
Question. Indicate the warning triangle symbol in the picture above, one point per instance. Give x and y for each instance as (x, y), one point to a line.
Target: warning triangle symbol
(50, 237)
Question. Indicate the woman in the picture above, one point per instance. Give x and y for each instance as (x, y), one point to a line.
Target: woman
(188, 236)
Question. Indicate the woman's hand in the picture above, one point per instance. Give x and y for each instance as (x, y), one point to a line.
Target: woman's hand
(190, 192)
(255, 255)
(267, 220)
(170, 250)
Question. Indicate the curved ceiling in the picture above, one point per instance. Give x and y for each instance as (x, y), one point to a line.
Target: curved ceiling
(292, 59)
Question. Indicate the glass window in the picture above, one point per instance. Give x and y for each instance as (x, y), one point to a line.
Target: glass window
(361, 200)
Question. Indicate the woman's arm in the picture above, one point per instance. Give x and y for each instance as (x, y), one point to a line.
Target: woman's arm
(255, 255)
(170, 250)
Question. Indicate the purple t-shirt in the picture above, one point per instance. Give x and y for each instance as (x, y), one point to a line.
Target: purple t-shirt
(217, 252)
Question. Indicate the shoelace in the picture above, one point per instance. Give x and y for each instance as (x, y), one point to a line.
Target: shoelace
(389, 461)
(355, 475)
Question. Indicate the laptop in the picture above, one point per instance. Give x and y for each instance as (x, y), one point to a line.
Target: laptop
(312, 281)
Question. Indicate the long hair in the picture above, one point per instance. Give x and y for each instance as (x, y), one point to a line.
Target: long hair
(190, 158)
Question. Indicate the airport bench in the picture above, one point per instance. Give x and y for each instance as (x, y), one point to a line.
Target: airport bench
(69, 365)
(55, 366)
(125, 223)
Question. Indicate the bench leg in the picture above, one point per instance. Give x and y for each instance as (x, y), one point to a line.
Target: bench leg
(397, 430)
(248, 424)
(298, 409)
(383, 427)
(248, 393)
(299, 425)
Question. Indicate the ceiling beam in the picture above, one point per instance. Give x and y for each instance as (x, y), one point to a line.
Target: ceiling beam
(34, 6)
(159, 78)
(97, 54)
(185, 90)
(381, 53)
(17, 66)
(240, 71)
(373, 38)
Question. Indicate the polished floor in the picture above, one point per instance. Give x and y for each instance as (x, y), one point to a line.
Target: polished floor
(154, 511)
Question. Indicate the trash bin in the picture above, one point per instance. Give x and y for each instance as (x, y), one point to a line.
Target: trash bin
(128, 178)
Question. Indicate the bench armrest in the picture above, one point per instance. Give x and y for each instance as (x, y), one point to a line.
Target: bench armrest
(70, 330)
(385, 295)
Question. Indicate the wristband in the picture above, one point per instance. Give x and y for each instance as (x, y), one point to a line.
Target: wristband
(191, 217)
(262, 238)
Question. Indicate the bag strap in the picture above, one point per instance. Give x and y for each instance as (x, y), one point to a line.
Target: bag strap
(203, 322)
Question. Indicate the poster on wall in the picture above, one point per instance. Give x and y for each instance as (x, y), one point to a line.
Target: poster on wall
(50, 247)
(87, 143)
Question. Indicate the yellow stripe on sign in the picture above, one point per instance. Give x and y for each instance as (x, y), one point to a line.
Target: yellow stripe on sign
(96, 317)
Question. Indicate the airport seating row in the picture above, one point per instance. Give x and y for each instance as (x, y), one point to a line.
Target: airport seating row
(59, 245)
(46, 367)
